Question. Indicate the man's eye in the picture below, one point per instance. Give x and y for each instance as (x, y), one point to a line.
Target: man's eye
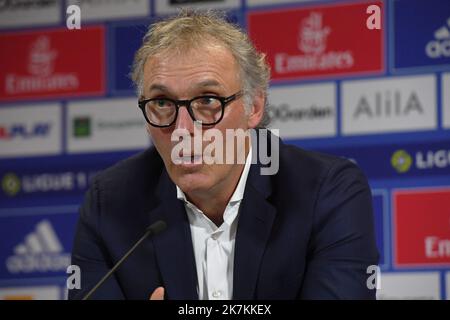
(161, 103)
(207, 101)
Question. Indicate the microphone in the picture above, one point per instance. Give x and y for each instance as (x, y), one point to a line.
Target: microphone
(151, 230)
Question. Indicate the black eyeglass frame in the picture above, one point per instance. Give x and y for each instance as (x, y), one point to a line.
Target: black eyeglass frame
(187, 103)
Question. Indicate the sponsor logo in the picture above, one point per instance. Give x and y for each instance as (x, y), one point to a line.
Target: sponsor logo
(41, 251)
(285, 112)
(30, 293)
(390, 161)
(25, 131)
(105, 124)
(81, 127)
(11, 184)
(424, 45)
(315, 41)
(42, 78)
(436, 247)
(440, 46)
(120, 124)
(107, 9)
(422, 227)
(389, 104)
(312, 41)
(303, 110)
(22, 13)
(25, 4)
(401, 161)
(45, 64)
(433, 159)
(31, 130)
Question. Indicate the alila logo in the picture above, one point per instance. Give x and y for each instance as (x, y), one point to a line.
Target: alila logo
(312, 42)
(11, 184)
(401, 161)
(440, 47)
(41, 251)
(387, 104)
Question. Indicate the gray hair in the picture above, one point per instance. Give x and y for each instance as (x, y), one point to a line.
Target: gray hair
(190, 28)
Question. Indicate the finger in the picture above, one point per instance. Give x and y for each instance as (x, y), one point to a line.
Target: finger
(158, 294)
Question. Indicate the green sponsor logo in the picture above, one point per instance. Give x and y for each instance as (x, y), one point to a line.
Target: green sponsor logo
(81, 127)
(401, 161)
(11, 184)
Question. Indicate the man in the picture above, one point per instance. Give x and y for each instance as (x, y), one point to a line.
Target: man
(304, 232)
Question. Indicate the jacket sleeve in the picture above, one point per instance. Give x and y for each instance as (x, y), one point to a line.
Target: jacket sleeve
(342, 244)
(88, 252)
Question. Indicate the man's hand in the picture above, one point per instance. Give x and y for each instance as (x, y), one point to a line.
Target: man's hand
(158, 294)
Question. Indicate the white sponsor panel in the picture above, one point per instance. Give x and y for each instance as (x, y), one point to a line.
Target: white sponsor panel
(303, 110)
(111, 9)
(30, 130)
(29, 13)
(105, 125)
(409, 286)
(252, 3)
(389, 105)
(30, 293)
(445, 100)
(172, 6)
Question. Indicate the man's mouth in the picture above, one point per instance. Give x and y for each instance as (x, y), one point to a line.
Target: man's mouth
(192, 159)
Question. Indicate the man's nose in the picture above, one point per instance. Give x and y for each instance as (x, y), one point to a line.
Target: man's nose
(184, 120)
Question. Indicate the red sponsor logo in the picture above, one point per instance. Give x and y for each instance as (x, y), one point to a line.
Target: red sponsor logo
(52, 63)
(421, 227)
(319, 41)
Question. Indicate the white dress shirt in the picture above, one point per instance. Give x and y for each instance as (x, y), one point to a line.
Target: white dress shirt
(214, 246)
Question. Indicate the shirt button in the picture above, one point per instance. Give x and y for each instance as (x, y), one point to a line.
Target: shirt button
(216, 294)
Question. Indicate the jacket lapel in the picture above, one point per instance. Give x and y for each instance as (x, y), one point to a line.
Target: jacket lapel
(255, 224)
(173, 247)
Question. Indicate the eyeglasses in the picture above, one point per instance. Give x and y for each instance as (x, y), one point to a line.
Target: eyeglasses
(208, 110)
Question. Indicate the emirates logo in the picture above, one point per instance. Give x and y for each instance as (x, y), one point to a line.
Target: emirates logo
(313, 35)
(41, 57)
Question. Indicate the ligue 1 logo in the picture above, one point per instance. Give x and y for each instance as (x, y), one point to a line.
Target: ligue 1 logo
(401, 161)
(11, 184)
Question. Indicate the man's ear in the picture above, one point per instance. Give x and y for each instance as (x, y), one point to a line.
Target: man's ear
(257, 110)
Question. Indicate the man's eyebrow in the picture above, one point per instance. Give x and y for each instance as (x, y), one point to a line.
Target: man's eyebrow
(159, 87)
(201, 84)
(208, 83)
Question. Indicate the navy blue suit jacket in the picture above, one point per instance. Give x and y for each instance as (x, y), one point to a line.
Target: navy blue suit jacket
(306, 232)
